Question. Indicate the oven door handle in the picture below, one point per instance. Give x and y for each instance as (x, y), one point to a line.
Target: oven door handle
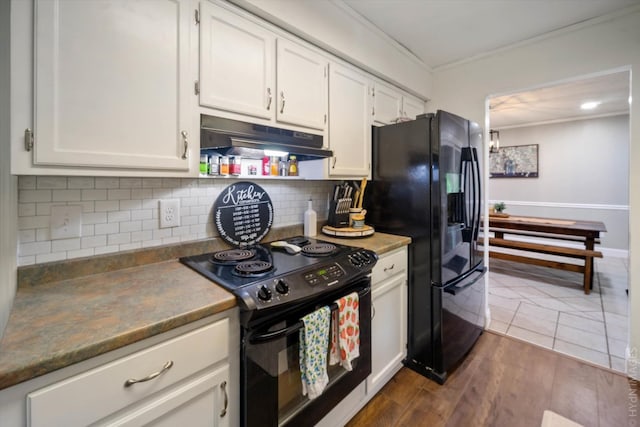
(274, 335)
(281, 333)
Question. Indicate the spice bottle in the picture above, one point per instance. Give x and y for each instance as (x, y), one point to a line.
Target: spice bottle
(293, 166)
(214, 165)
(203, 164)
(235, 165)
(224, 166)
(283, 167)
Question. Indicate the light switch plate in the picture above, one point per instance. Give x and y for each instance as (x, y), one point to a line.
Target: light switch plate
(169, 213)
(66, 222)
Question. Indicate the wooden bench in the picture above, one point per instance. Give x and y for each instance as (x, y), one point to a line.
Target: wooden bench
(576, 253)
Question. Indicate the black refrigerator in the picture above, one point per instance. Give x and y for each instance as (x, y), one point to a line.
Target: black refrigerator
(427, 184)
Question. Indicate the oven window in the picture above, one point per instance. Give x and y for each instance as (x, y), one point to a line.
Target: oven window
(290, 398)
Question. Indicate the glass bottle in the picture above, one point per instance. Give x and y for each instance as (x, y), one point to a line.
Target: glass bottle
(293, 166)
(274, 165)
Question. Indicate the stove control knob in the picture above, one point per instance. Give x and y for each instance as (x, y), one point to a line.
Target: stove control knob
(264, 293)
(282, 287)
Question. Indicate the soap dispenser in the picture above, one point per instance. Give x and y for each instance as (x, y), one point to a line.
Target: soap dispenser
(310, 220)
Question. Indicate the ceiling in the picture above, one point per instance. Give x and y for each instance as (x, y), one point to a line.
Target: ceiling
(443, 32)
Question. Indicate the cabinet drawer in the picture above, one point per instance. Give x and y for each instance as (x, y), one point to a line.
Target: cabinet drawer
(88, 397)
(389, 265)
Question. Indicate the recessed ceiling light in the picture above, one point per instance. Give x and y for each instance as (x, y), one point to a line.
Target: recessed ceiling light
(589, 105)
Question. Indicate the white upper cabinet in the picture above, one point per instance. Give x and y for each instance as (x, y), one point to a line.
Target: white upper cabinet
(412, 107)
(236, 63)
(387, 104)
(390, 105)
(241, 72)
(302, 86)
(111, 84)
(350, 122)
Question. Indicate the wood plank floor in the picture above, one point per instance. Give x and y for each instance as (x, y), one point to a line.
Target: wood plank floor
(505, 382)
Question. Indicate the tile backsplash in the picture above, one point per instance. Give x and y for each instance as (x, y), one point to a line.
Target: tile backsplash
(120, 214)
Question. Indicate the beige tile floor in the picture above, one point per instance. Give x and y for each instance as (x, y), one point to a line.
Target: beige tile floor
(548, 307)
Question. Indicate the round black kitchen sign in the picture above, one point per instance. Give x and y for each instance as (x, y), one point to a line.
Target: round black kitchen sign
(243, 213)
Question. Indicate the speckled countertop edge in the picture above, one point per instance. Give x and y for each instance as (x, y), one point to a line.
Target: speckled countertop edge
(67, 312)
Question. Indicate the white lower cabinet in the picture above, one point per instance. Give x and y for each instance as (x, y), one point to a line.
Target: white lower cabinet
(389, 318)
(185, 380)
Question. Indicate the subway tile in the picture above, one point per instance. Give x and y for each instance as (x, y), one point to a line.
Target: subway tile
(27, 182)
(130, 205)
(151, 182)
(108, 228)
(51, 257)
(107, 182)
(141, 214)
(65, 245)
(107, 205)
(118, 216)
(92, 194)
(45, 208)
(27, 222)
(119, 194)
(80, 182)
(26, 260)
(130, 182)
(141, 193)
(34, 248)
(26, 209)
(106, 250)
(93, 241)
(87, 230)
(43, 234)
(128, 226)
(26, 236)
(25, 196)
(51, 182)
(118, 238)
(94, 218)
(130, 246)
(141, 236)
(66, 195)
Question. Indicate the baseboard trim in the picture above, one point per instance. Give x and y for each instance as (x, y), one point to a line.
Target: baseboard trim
(563, 205)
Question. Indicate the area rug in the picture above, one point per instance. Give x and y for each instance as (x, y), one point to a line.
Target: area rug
(551, 419)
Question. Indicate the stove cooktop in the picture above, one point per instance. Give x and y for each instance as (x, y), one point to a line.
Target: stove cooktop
(264, 277)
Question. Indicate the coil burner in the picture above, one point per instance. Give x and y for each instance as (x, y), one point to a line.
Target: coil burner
(252, 268)
(232, 256)
(319, 249)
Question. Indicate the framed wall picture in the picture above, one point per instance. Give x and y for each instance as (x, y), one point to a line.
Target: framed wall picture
(517, 161)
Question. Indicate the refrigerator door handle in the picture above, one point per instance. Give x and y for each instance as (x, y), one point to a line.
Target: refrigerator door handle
(466, 160)
(454, 289)
(477, 195)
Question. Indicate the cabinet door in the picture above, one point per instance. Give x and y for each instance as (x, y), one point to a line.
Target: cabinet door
(201, 402)
(349, 124)
(302, 86)
(412, 107)
(387, 103)
(389, 330)
(110, 82)
(236, 63)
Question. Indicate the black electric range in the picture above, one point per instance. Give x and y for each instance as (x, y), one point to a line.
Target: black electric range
(268, 280)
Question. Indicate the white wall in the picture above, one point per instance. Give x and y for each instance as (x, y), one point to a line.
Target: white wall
(334, 27)
(605, 45)
(583, 174)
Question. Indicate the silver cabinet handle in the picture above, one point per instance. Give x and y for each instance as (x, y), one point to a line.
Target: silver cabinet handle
(223, 387)
(185, 135)
(389, 268)
(373, 311)
(335, 159)
(269, 99)
(165, 368)
(282, 108)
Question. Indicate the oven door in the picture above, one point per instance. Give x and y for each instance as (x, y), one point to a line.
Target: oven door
(271, 384)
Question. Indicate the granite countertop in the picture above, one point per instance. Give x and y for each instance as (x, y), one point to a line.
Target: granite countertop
(63, 314)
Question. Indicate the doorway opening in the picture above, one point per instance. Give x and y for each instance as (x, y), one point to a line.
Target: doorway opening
(583, 174)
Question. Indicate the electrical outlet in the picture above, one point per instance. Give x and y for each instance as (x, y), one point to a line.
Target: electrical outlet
(169, 213)
(66, 222)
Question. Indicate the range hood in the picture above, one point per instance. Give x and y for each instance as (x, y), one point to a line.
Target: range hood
(234, 137)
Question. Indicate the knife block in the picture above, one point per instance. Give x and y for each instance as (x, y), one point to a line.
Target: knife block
(339, 213)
